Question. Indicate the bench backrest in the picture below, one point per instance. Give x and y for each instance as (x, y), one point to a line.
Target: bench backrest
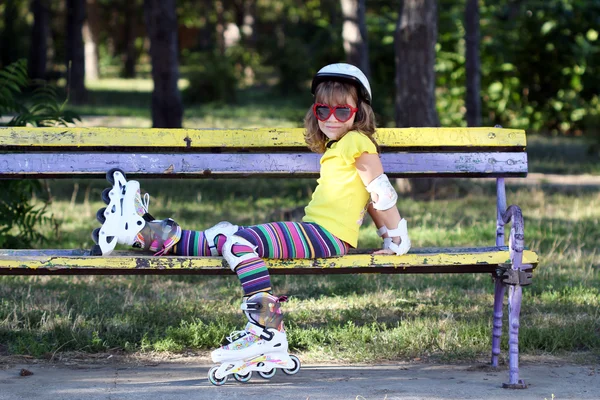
(201, 153)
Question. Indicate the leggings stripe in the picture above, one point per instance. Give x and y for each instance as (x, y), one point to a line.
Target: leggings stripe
(310, 248)
(194, 243)
(283, 240)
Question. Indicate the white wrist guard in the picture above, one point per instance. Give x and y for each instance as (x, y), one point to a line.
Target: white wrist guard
(386, 241)
(386, 194)
(402, 232)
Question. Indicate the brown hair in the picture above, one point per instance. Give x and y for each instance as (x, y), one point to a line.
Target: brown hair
(332, 92)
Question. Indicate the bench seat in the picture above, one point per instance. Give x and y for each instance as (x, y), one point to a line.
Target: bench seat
(494, 152)
(423, 260)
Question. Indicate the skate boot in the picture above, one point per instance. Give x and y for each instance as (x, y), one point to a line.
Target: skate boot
(262, 346)
(158, 236)
(126, 220)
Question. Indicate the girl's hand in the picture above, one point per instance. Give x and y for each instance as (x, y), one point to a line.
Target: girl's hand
(384, 251)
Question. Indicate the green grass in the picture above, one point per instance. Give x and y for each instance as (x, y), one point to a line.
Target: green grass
(363, 318)
(562, 155)
(130, 100)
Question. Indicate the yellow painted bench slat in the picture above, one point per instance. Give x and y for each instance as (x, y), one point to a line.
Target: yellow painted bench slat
(120, 261)
(251, 138)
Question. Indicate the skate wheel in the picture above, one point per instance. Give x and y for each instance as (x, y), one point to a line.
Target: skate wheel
(100, 215)
(96, 235)
(243, 378)
(106, 196)
(294, 370)
(212, 377)
(269, 374)
(110, 175)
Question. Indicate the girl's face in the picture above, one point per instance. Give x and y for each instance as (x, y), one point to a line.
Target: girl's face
(334, 129)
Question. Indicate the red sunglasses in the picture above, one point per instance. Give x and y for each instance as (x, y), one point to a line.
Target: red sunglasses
(342, 112)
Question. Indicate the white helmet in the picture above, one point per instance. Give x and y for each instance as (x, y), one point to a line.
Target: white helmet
(344, 73)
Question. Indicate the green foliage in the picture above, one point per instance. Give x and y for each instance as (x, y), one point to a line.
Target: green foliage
(539, 60)
(293, 63)
(19, 218)
(18, 214)
(539, 65)
(13, 78)
(214, 79)
(40, 107)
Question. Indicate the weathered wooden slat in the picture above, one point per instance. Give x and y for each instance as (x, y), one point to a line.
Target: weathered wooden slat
(135, 253)
(451, 262)
(198, 165)
(24, 137)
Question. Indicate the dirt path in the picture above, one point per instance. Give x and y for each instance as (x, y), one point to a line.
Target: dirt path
(535, 179)
(185, 378)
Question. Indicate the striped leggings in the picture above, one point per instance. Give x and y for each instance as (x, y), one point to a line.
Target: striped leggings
(277, 240)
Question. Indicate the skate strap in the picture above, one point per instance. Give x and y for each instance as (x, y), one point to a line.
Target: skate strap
(170, 242)
(260, 331)
(148, 217)
(250, 306)
(235, 335)
(145, 200)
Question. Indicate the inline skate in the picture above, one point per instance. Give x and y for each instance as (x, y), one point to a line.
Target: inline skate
(262, 346)
(126, 220)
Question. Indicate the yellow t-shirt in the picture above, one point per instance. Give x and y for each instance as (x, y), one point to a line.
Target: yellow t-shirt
(340, 199)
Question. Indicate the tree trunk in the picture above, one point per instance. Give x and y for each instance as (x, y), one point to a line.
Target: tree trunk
(130, 36)
(161, 25)
(354, 33)
(91, 35)
(414, 43)
(7, 53)
(91, 53)
(473, 100)
(75, 51)
(220, 28)
(38, 52)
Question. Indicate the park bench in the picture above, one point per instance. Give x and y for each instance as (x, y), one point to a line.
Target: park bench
(233, 153)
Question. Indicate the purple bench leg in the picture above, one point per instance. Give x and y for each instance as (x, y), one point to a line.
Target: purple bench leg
(499, 286)
(516, 244)
(514, 310)
(499, 290)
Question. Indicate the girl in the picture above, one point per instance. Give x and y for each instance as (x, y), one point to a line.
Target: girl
(340, 125)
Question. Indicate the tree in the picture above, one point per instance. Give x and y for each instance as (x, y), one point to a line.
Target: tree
(130, 34)
(354, 33)
(414, 43)
(161, 25)
(39, 39)
(75, 51)
(473, 68)
(8, 33)
(220, 28)
(91, 33)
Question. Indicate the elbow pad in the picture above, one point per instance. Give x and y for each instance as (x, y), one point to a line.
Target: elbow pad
(386, 194)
